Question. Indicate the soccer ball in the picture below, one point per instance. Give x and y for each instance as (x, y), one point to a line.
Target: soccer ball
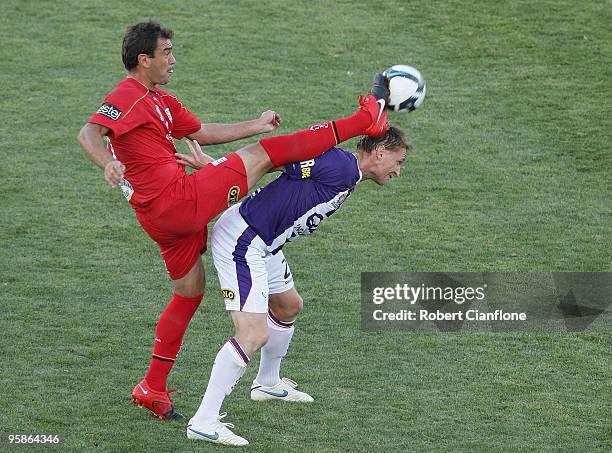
(407, 87)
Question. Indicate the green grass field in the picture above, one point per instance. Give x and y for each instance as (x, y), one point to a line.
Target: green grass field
(512, 172)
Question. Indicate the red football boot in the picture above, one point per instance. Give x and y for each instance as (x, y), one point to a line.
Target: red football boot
(157, 402)
(378, 113)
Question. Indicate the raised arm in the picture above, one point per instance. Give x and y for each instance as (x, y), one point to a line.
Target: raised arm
(214, 134)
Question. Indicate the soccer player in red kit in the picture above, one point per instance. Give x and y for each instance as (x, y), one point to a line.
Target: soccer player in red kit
(141, 122)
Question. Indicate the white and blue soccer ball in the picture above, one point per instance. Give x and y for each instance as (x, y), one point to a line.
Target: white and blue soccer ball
(407, 87)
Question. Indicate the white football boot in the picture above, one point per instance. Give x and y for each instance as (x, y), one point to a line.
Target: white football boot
(284, 390)
(217, 432)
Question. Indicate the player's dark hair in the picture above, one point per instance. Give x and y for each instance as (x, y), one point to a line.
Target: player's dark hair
(394, 138)
(142, 38)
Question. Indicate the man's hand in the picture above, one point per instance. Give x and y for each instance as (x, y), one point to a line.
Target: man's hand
(113, 172)
(197, 159)
(270, 120)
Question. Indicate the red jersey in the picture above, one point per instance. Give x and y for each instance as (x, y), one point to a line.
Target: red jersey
(142, 124)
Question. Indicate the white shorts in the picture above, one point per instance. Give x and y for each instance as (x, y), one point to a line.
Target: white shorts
(248, 272)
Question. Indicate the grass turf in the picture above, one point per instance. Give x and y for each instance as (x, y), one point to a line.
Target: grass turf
(512, 172)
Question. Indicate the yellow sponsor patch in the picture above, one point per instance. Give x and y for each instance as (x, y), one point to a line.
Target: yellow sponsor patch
(232, 195)
(228, 294)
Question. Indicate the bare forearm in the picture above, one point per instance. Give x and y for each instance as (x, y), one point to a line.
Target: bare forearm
(214, 134)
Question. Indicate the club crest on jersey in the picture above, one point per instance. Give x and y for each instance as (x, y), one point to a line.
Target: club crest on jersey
(228, 294)
(232, 195)
(109, 111)
(126, 188)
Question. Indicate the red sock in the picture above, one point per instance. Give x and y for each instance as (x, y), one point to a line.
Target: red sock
(309, 143)
(168, 338)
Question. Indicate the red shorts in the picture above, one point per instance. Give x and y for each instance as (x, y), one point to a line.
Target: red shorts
(177, 220)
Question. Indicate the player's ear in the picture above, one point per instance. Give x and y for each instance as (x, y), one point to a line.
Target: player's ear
(143, 60)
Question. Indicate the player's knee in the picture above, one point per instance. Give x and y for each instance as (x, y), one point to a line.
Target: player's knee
(193, 283)
(289, 309)
(294, 309)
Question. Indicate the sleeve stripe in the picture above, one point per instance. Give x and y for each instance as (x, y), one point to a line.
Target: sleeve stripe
(335, 131)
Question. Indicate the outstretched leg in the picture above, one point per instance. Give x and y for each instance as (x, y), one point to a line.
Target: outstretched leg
(271, 152)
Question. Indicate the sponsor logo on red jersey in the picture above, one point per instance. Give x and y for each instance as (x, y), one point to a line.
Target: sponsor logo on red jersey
(110, 111)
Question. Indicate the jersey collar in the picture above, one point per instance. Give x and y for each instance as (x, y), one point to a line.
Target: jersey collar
(135, 82)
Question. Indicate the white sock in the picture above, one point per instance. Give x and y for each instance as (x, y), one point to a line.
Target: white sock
(280, 334)
(230, 364)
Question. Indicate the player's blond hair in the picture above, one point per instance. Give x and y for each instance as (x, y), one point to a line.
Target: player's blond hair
(394, 139)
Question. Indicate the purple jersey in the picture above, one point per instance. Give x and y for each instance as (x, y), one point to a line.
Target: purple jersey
(298, 200)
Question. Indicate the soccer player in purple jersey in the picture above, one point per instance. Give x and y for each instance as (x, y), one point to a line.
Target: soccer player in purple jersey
(255, 279)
